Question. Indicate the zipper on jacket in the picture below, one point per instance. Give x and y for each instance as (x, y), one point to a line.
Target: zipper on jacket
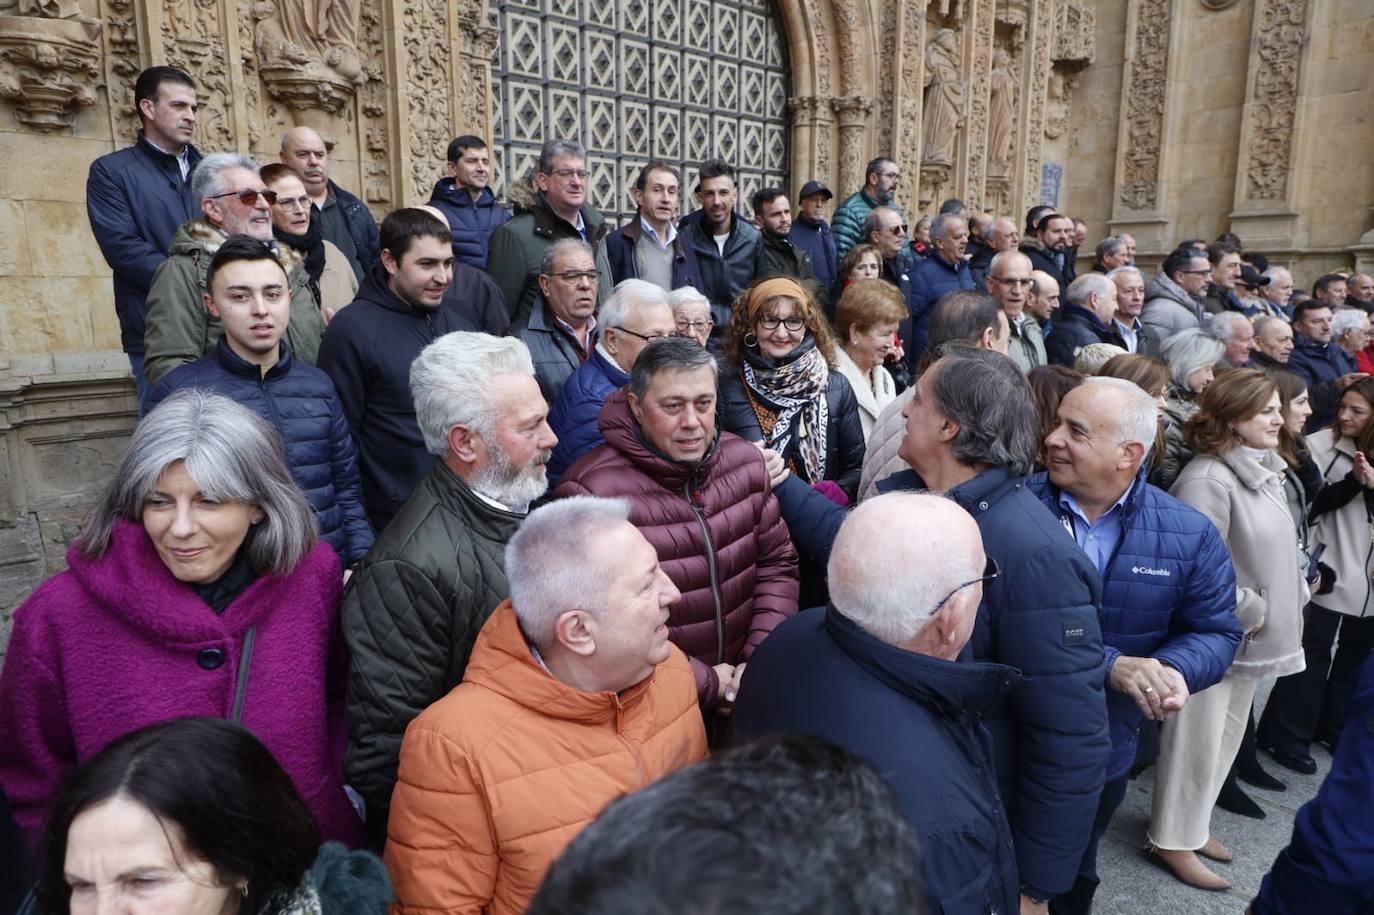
(241, 686)
(710, 566)
(641, 769)
(271, 402)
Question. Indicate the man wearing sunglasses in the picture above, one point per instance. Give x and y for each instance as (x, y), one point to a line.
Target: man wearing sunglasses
(877, 671)
(233, 201)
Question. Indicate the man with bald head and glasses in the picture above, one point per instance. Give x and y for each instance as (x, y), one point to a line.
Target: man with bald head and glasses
(233, 201)
(1009, 280)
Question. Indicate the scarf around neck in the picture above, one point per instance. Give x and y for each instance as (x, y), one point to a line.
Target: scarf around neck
(790, 403)
(311, 244)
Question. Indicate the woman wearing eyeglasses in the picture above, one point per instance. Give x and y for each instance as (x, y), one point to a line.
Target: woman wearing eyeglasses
(296, 225)
(782, 390)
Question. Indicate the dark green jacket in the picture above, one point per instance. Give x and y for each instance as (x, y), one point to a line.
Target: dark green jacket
(516, 248)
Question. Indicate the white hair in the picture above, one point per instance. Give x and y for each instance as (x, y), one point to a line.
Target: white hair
(1187, 351)
(1223, 325)
(1138, 420)
(627, 296)
(1124, 268)
(1087, 285)
(554, 565)
(1346, 320)
(686, 295)
(892, 593)
(450, 382)
(208, 179)
(1264, 322)
(1273, 272)
(1091, 358)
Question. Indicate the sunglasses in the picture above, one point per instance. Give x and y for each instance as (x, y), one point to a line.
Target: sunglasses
(248, 198)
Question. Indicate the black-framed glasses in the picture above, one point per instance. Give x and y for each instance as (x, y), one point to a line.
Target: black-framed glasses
(990, 571)
(690, 326)
(572, 276)
(650, 338)
(248, 198)
(792, 324)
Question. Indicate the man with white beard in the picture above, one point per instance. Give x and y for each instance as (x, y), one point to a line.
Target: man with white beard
(414, 607)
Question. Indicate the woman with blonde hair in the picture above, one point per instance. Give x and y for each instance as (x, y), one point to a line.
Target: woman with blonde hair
(1236, 480)
(866, 320)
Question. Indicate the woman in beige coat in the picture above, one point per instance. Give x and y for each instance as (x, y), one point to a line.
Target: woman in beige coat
(1236, 480)
(866, 320)
(296, 224)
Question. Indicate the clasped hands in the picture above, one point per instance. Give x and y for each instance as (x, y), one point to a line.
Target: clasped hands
(1158, 689)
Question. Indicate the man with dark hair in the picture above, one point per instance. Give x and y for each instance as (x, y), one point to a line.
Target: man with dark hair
(972, 433)
(560, 210)
(811, 233)
(472, 293)
(725, 246)
(945, 270)
(1331, 290)
(777, 255)
(467, 203)
(1319, 362)
(1050, 249)
(139, 196)
(881, 179)
(369, 348)
(738, 834)
(346, 220)
(979, 225)
(701, 497)
(1033, 216)
(877, 671)
(1220, 296)
(953, 206)
(650, 248)
(247, 290)
(1173, 299)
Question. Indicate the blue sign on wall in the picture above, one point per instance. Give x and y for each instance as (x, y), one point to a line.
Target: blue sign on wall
(1051, 180)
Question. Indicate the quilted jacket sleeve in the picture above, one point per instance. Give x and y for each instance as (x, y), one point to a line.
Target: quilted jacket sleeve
(849, 431)
(348, 492)
(573, 419)
(847, 228)
(396, 623)
(175, 329)
(441, 849)
(775, 583)
(812, 519)
(1204, 635)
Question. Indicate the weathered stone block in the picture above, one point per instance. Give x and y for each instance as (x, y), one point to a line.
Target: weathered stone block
(53, 167)
(49, 314)
(60, 240)
(14, 240)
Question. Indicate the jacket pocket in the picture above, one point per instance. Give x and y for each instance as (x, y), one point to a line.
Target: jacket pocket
(1252, 610)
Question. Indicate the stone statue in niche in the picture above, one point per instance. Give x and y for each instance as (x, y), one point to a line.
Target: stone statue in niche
(1057, 106)
(944, 99)
(1001, 113)
(308, 53)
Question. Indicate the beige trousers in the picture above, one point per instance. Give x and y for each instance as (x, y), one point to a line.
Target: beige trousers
(1196, 750)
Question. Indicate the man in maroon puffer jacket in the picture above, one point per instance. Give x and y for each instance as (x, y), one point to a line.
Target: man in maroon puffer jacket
(704, 501)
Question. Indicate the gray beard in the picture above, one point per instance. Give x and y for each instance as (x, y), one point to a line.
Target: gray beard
(513, 487)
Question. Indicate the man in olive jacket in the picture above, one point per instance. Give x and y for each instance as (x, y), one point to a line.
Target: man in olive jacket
(413, 609)
(560, 210)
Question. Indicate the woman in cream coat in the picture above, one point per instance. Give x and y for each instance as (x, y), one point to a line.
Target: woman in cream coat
(866, 320)
(1236, 480)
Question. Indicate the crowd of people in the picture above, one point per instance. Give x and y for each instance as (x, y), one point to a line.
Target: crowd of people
(696, 565)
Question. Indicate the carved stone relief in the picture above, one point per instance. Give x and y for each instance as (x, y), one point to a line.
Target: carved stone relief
(1279, 31)
(122, 64)
(906, 147)
(1001, 114)
(986, 15)
(853, 115)
(373, 98)
(308, 52)
(427, 90)
(49, 61)
(1075, 27)
(1144, 108)
(1057, 105)
(192, 40)
(944, 99)
(1039, 52)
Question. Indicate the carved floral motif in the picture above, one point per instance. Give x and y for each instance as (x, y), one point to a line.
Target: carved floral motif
(907, 147)
(1145, 85)
(985, 17)
(122, 64)
(192, 40)
(372, 107)
(1279, 30)
(427, 88)
(1039, 52)
(853, 114)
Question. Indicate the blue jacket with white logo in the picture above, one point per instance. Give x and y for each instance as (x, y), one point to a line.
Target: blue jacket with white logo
(1168, 593)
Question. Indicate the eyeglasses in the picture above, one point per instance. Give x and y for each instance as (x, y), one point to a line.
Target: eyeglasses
(248, 198)
(691, 326)
(572, 276)
(565, 173)
(1207, 272)
(771, 323)
(649, 338)
(990, 571)
(1024, 282)
(293, 203)
(896, 230)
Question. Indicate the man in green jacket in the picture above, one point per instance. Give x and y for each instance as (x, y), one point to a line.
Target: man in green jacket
(880, 185)
(179, 328)
(560, 210)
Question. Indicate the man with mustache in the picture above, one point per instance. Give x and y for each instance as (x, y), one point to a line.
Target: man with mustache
(347, 221)
(561, 328)
(413, 609)
(369, 348)
(233, 201)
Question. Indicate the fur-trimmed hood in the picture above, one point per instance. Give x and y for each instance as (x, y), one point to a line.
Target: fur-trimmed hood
(199, 239)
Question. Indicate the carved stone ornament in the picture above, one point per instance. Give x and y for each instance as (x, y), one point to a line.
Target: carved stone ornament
(1145, 107)
(307, 52)
(1219, 4)
(48, 67)
(1280, 33)
(1075, 30)
(944, 98)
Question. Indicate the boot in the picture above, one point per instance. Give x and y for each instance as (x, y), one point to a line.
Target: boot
(1254, 774)
(1236, 801)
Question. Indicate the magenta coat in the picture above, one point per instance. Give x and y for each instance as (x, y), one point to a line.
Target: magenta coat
(115, 644)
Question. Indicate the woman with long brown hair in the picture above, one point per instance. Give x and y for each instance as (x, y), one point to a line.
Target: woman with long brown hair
(1236, 479)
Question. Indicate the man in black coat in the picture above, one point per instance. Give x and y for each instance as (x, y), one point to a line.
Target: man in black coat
(1136, 337)
(1087, 316)
(878, 673)
(1325, 367)
(137, 198)
(368, 347)
(1051, 250)
(726, 247)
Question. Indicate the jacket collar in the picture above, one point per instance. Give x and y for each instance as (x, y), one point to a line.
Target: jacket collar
(962, 691)
(455, 495)
(447, 189)
(502, 661)
(235, 364)
(193, 155)
(1070, 312)
(975, 496)
(1130, 500)
(1310, 347)
(547, 222)
(608, 367)
(621, 432)
(1251, 473)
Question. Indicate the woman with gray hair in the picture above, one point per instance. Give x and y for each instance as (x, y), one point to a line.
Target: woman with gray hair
(197, 588)
(1192, 357)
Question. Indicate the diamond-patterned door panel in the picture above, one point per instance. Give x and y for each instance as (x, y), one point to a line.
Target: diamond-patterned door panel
(634, 80)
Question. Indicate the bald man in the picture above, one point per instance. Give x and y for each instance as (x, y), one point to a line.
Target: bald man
(346, 220)
(1044, 300)
(1009, 281)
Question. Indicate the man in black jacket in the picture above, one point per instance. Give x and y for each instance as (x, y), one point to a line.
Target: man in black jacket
(414, 607)
(368, 348)
(878, 673)
(726, 247)
(1087, 316)
(346, 219)
(137, 198)
(1051, 248)
(648, 246)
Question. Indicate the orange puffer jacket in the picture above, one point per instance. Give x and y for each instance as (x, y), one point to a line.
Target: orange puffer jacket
(497, 777)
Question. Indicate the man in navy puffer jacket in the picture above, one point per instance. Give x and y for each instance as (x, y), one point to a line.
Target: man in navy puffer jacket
(253, 365)
(1168, 587)
(467, 203)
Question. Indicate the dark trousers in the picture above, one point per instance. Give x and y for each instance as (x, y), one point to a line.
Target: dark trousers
(1079, 900)
(1312, 704)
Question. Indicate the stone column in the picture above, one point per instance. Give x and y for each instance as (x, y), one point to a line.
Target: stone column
(854, 114)
(472, 70)
(813, 126)
(1266, 215)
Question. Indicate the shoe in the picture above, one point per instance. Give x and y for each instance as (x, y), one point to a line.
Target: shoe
(1215, 850)
(1330, 742)
(1188, 869)
(1234, 800)
(1302, 763)
(1257, 777)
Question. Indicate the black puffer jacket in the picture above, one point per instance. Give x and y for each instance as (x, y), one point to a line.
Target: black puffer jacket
(366, 351)
(410, 616)
(300, 403)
